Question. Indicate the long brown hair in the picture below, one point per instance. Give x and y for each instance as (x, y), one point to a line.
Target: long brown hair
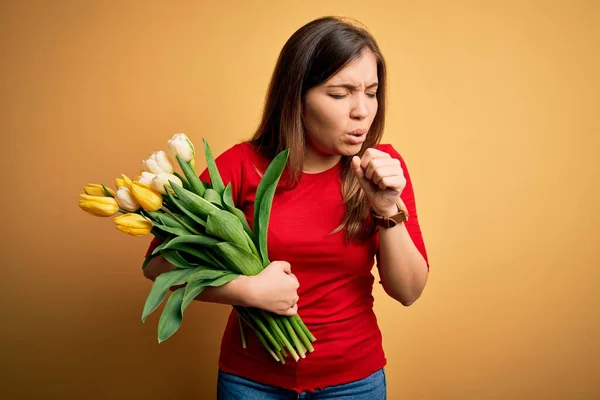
(314, 53)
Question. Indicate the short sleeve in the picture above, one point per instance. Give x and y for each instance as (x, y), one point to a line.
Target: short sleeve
(408, 196)
(230, 166)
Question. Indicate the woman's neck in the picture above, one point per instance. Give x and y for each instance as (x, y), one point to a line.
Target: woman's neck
(315, 163)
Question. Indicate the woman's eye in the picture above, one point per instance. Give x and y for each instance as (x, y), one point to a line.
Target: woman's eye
(338, 96)
(372, 95)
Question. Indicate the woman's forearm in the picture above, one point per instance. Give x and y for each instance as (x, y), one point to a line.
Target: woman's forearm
(234, 293)
(402, 268)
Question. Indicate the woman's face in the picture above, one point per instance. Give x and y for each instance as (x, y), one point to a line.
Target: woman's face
(339, 112)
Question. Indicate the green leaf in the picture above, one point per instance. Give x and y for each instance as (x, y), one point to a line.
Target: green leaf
(194, 288)
(174, 231)
(184, 210)
(165, 219)
(196, 186)
(230, 206)
(160, 235)
(215, 177)
(197, 240)
(106, 192)
(238, 259)
(171, 317)
(228, 227)
(184, 181)
(193, 202)
(213, 196)
(160, 287)
(263, 229)
(176, 259)
(271, 177)
(202, 254)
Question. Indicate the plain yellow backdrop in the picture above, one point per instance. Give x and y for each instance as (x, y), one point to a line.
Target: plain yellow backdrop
(494, 106)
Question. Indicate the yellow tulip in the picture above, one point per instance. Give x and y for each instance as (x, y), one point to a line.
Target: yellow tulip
(149, 199)
(95, 189)
(133, 224)
(120, 182)
(98, 206)
(123, 181)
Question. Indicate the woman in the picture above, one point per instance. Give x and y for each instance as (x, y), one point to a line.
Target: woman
(343, 201)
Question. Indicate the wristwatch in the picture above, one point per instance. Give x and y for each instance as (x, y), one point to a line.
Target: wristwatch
(390, 222)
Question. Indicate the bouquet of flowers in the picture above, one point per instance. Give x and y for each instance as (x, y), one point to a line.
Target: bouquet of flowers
(203, 235)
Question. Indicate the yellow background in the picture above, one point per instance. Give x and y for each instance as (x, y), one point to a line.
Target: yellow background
(494, 106)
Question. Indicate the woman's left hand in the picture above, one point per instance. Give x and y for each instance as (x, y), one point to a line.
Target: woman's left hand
(382, 179)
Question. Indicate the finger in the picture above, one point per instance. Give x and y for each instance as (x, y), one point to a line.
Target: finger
(357, 168)
(379, 163)
(392, 183)
(294, 301)
(385, 172)
(371, 154)
(291, 311)
(286, 267)
(296, 281)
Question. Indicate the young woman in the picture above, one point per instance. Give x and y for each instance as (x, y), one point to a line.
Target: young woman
(344, 201)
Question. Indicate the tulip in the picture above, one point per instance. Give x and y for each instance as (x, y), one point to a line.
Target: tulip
(146, 178)
(98, 206)
(94, 189)
(180, 145)
(120, 182)
(158, 163)
(148, 198)
(133, 224)
(123, 181)
(126, 200)
(161, 182)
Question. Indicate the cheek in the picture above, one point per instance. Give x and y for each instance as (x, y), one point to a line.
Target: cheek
(324, 120)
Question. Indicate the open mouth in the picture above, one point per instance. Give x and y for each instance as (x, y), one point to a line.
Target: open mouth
(358, 132)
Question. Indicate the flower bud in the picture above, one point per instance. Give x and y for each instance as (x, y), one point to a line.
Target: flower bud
(133, 224)
(95, 189)
(158, 163)
(146, 178)
(98, 206)
(149, 199)
(126, 200)
(180, 145)
(161, 182)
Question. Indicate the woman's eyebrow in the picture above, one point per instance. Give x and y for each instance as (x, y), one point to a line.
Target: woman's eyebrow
(353, 87)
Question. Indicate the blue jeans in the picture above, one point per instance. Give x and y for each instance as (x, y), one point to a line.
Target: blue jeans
(233, 387)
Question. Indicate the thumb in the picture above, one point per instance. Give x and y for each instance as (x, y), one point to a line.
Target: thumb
(358, 171)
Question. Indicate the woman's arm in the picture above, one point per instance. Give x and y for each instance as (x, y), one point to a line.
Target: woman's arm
(402, 268)
(274, 289)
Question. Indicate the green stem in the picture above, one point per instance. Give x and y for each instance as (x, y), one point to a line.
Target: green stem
(280, 334)
(179, 220)
(304, 328)
(302, 335)
(259, 336)
(294, 337)
(264, 330)
(242, 334)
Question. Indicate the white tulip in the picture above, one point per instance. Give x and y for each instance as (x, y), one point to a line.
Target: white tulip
(146, 178)
(161, 182)
(158, 163)
(126, 200)
(181, 145)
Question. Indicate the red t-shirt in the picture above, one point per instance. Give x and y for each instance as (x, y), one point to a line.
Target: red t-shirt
(336, 283)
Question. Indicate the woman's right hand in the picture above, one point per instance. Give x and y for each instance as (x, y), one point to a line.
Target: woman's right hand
(275, 289)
